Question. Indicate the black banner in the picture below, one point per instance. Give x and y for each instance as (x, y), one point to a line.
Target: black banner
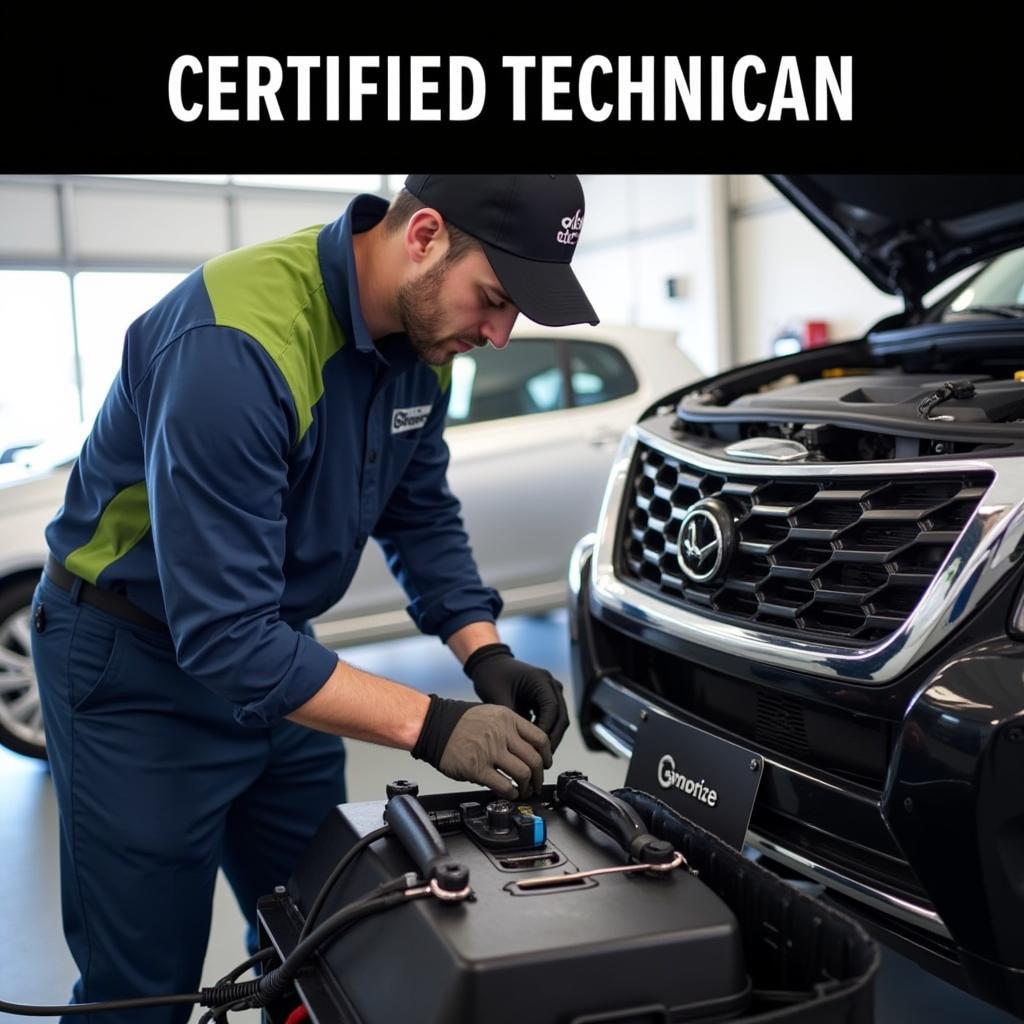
(911, 103)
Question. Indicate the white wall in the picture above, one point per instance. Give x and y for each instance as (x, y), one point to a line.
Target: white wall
(785, 271)
(260, 219)
(108, 225)
(82, 222)
(640, 231)
(29, 223)
(768, 269)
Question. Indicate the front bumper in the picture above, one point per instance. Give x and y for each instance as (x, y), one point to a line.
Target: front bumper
(914, 821)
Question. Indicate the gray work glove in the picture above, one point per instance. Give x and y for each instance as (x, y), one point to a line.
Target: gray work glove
(477, 742)
(533, 692)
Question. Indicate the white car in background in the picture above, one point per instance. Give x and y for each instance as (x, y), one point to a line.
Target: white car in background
(532, 430)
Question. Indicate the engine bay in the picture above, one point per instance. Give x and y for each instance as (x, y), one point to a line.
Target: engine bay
(862, 402)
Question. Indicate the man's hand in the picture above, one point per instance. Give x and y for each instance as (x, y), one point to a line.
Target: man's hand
(478, 742)
(498, 678)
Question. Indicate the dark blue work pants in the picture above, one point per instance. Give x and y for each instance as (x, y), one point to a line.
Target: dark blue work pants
(158, 787)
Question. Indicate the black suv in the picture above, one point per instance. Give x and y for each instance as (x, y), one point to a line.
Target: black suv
(819, 557)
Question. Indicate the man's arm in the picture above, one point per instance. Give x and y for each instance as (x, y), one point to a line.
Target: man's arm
(217, 423)
(427, 549)
(481, 743)
(463, 642)
(367, 707)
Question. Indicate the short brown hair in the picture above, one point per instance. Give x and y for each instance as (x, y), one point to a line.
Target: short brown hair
(405, 204)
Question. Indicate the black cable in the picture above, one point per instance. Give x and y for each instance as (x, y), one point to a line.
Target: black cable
(215, 1013)
(958, 389)
(218, 1013)
(315, 907)
(116, 1004)
(253, 993)
(389, 894)
(221, 998)
(339, 868)
(281, 978)
(258, 957)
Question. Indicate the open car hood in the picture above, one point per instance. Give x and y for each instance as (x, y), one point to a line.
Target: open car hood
(909, 232)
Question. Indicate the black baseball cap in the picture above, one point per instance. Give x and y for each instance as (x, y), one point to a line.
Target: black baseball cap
(528, 225)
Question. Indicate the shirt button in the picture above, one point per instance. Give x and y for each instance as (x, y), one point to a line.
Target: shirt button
(372, 458)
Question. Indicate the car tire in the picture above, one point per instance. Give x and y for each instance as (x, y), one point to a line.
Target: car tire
(21, 723)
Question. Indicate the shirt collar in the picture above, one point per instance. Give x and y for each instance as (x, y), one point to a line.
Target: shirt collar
(338, 268)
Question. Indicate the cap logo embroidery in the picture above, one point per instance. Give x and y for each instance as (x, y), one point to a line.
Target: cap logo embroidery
(571, 227)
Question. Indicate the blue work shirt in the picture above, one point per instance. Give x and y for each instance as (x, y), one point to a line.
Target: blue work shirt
(254, 439)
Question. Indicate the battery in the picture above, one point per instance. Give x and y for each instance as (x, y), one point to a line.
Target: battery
(637, 945)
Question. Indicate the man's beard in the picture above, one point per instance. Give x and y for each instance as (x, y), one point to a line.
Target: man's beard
(420, 311)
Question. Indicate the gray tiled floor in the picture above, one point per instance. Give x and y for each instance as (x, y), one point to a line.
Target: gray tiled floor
(35, 967)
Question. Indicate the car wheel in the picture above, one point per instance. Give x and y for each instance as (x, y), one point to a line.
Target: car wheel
(21, 717)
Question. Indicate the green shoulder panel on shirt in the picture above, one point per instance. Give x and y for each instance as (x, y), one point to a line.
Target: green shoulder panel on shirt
(274, 292)
(125, 521)
(444, 376)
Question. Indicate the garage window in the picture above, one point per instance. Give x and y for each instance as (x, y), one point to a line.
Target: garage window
(105, 305)
(38, 388)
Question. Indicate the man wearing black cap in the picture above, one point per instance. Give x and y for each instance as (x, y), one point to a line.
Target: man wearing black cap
(279, 407)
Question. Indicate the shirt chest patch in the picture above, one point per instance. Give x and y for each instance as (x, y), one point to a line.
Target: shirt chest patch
(411, 418)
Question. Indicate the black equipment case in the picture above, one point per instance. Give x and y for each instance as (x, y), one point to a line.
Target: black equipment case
(718, 938)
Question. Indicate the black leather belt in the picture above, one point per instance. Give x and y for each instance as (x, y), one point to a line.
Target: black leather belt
(106, 600)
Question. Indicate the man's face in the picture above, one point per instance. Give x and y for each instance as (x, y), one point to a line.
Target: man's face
(454, 307)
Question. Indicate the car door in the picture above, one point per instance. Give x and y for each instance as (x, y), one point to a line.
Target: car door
(605, 403)
(527, 466)
(531, 469)
(503, 411)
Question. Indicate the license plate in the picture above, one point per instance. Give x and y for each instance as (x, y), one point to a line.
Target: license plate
(707, 779)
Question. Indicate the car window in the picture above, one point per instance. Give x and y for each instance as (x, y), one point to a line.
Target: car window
(598, 373)
(519, 380)
(999, 284)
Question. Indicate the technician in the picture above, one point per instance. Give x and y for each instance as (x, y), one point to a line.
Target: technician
(276, 409)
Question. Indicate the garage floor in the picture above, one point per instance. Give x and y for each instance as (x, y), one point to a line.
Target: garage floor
(35, 966)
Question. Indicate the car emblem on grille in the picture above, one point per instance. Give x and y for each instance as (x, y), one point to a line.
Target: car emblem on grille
(706, 539)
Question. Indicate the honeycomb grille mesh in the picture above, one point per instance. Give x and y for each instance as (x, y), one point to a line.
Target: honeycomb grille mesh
(846, 559)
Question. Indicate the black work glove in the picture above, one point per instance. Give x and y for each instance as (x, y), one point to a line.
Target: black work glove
(472, 742)
(533, 692)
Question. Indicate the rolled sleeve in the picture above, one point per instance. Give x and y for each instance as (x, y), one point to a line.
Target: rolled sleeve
(310, 665)
(217, 423)
(426, 546)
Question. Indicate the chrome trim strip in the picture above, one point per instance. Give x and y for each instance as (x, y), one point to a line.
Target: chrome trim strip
(611, 741)
(580, 553)
(977, 562)
(905, 910)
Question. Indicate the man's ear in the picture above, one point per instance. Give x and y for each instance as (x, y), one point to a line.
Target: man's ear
(424, 233)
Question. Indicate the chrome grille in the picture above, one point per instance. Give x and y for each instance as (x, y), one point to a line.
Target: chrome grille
(845, 558)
